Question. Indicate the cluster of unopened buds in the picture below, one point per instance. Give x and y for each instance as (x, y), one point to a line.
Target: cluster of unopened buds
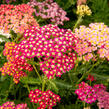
(86, 93)
(14, 67)
(91, 78)
(11, 105)
(16, 18)
(94, 38)
(52, 45)
(49, 10)
(46, 99)
(83, 10)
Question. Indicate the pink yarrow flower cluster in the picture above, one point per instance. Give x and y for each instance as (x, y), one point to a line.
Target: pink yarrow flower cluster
(46, 99)
(103, 99)
(52, 45)
(14, 67)
(102, 96)
(49, 10)
(86, 93)
(93, 38)
(11, 105)
(18, 18)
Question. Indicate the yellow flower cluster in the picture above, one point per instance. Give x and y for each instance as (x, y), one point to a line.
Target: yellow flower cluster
(83, 10)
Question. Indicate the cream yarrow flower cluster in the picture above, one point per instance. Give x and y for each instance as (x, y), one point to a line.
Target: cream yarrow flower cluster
(83, 10)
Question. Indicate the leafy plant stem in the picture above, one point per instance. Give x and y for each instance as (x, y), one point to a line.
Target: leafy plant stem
(39, 59)
(18, 36)
(43, 84)
(29, 92)
(87, 72)
(37, 72)
(69, 77)
(84, 104)
(78, 22)
(90, 82)
(11, 85)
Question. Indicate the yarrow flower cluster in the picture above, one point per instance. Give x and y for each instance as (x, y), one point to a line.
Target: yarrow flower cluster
(103, 99)
(102, 96)
(53, 45)
(99, 87)
(14, 67)
(11, 105)
(49, 10)
(16, 18)
(83, 10)
(93, 38)
(46, 99)
(86, 93)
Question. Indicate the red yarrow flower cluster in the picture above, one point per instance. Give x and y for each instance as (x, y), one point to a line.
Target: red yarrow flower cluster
(49, 10)
(14, 67)
(90, 78)
(18, 18)
(46, 99)
(86, 93)
(53, 45)
(11, 105)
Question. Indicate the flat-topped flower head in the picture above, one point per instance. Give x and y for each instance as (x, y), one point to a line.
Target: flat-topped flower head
(93, 40)
(83, 10)
(11, 105)
(49, 10)
(86, 93)
(17, 18)
(46, 99)
(14, 67)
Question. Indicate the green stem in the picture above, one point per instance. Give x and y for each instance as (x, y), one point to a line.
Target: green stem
(11, 85)
(18, 36)
(84, 104)
(37, 72)
(86, 73)
(43, 84)
(39, 59)
(76, 66)
(21, 39)
(90, 82)
(29, 92)
(70, 77)
(77, 23)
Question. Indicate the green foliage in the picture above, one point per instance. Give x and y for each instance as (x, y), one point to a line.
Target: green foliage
(70, 106)
(30, 80)
(100, 12)
(65, 4)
